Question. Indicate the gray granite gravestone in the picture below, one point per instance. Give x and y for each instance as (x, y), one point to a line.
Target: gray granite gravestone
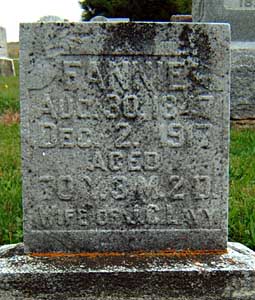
(239, 13)
(6, 64)
(242, 83)
(7, 67)
(3, 43)
(123, 145)
(241, 16)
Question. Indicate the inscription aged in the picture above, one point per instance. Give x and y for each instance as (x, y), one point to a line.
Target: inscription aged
(117, 142)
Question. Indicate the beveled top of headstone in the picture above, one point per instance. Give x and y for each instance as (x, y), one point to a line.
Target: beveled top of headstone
(239, 13)
(124, 136)
(3, 43)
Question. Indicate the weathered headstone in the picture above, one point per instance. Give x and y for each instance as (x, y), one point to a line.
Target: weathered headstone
(99, 19)
(3, 43)
(239, 13)
(6, 64)
(241, 16)
(123, 145)
(112, 20)
(242, 83)
(7, 67)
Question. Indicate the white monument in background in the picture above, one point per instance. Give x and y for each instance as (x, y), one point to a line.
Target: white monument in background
(6, 64)
(3, 43)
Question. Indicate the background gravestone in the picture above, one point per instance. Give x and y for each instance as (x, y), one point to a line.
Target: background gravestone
(7, 67)
(6, 64)
(239, 13)
(3, 43)
(123, 145)
(241, 16)
(242, 84)
(51, 19)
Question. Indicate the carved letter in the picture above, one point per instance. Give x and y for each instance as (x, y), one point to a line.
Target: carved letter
(119, 190)
(116, 161)
(169, 107)
(124, 131)
(176, 183)
(47, 107)
(98, 161)
(47, 184)
(134, 161)
(153, 218)
(130, 106)
(49, 136)
(65, 188)
(202, 187)
(66, 137)
(65, 108)
(84, 109)
(84, 138)
(148, 188)
(151, 161)
(112, 111)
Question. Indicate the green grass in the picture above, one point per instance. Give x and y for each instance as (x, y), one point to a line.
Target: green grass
(10, 175)
(9, 92)
(10, 185)
(242, 187)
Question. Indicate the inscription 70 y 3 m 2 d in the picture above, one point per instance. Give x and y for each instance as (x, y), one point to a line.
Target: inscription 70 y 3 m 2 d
(124, 136)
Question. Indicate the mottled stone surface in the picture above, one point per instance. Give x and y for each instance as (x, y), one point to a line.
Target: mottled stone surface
(124, 136)
(230, 276)
(3, 43)
(6, 67)
(239, 13)
(242, 81)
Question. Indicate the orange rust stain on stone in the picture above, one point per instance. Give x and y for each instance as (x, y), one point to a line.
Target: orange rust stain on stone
(166, 253)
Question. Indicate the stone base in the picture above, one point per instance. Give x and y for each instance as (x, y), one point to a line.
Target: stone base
(242, 81)
(6, 67)
(168, 276)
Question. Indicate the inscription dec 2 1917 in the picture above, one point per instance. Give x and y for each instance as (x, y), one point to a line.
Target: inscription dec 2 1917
(124, 136)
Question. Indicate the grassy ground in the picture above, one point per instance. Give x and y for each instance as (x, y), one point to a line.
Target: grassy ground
(10, 184)
(9, 92)
(242, 187)
(10, 178)
(242, 174)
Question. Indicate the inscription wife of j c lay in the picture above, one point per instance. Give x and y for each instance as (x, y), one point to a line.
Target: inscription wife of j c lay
(132, 149)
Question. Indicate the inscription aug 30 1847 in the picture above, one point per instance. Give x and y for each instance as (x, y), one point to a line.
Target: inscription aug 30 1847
(123, 146)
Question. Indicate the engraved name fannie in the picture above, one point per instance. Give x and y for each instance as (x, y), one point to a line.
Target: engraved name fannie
(125, 146)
